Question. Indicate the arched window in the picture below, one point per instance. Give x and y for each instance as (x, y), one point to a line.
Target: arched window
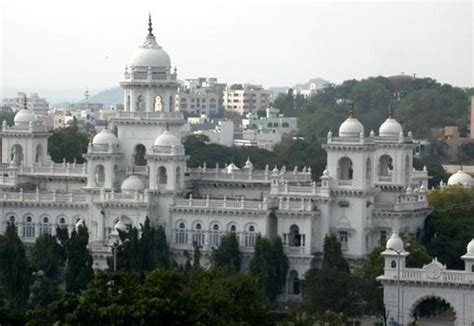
(162, 176)
(472, 269)
(99, 175)
(294, 237)
(250, 236)
(393, 264)
(198, 234)
(140, 103)
(181, 234)
(29, 228)
(294, 283)
(12, 219)
(368, 171)
(45, 227)
(139, 155)
(215, 234)
(385, 166)
(344, 169)
(39, 154)
(17, 155)
(62, 222)
(178, 177)
(269, 125)
(233, 228)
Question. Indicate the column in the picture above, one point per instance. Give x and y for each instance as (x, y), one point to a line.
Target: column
(150, 101)
(126, 106)
(133, 100)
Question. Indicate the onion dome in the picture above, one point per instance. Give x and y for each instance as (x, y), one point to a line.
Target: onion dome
(132, 184)
(470, 248)
(351, 127)
(150, 54)
(390, 128)
(24, 117)
(460, 178)
(395, 243)
(105, 137)
(167, 139)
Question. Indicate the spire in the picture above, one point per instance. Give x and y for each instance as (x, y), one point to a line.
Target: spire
(150, 28)
(390, 111)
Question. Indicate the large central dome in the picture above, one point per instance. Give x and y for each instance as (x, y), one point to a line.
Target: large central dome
(150, 54)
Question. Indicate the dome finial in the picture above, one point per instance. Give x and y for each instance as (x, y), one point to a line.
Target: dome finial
(150, 28)
(351, 111)
(25, 103)
(390, 111)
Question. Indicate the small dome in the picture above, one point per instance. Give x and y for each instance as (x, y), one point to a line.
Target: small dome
(395, 243)
(24, 117)
(105, 137)
(351, 127)
(231, 168)
(390, 128)
(132, 184)
(470, 248)
(167, 139)
(460, 178)
(248, 164)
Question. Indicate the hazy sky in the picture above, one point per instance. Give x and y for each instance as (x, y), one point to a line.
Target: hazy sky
(66, 45)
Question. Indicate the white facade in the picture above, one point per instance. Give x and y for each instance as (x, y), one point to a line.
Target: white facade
(137, 168)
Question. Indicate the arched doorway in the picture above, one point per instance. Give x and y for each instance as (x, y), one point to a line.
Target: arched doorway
(432, 310)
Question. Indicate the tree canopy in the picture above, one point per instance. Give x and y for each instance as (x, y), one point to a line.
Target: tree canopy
(68, 144)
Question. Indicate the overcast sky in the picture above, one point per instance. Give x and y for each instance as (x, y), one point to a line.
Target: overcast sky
(66, 45)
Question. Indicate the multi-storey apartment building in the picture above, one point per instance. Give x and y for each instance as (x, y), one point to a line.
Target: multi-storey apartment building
(246, 98)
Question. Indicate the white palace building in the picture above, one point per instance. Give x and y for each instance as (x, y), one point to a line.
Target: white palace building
(137, 168)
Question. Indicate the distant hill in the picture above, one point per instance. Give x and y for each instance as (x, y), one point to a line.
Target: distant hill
(108, 97)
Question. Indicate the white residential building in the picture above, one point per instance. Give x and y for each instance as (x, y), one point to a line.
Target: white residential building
(246, 98)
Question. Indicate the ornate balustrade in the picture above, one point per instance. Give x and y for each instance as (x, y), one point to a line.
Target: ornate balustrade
(149, 115)
(39, 197)
(63, 169)
(247, 175)
(121, 197)
(222, 203)
(430, 275)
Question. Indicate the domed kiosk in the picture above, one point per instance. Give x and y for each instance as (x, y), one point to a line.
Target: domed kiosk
(149, 84)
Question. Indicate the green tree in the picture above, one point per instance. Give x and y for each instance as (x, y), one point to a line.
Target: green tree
(68, 144)
(44, 291)
(228, 253)
(450, 227)
(332, 287)
(424, 109)
(79, 271)
(46, 255)
(269, 265)
(14, 270)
